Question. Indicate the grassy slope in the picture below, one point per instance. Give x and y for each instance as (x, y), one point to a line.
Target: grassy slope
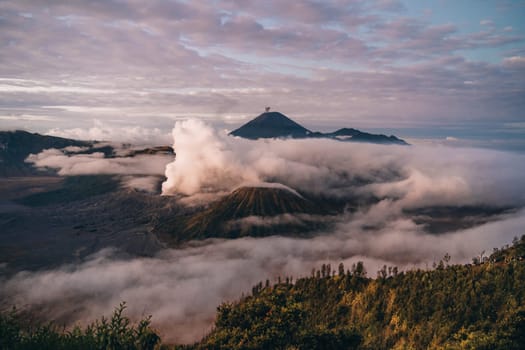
(452, 307)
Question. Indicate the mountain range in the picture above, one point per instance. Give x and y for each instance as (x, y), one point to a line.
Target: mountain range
(278, 125)
(16, 146)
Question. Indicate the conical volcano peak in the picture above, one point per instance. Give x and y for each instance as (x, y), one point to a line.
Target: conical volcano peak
(271, 125)
(252, 211)
(277, 125)
(274, 116)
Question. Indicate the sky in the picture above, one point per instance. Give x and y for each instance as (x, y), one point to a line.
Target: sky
(451, 71)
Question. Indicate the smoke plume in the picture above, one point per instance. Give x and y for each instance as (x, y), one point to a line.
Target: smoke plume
(210, 162)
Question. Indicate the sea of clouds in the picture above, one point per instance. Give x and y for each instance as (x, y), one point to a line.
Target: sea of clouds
(182, 287)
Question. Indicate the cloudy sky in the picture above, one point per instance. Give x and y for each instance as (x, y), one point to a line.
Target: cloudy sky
(444, 69)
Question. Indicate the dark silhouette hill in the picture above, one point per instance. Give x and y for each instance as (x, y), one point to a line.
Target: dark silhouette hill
(277, 125)
(271, 125)
(16, 146)
(354, 135)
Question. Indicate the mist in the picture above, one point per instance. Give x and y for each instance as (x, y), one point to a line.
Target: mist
(104, 131)
(211, 162)
(182, 287)
(140, 172)
(96, 163)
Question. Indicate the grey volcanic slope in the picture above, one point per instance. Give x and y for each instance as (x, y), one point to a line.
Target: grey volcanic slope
(271, 125)
(49, 221)
(284, 211)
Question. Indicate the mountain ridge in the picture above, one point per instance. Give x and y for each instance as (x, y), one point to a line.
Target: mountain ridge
(278, 125)
(16, 146)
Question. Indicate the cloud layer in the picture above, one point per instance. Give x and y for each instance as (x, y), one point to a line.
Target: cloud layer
(101, 131)
(140, 172)
(181, 288)
(211, 162)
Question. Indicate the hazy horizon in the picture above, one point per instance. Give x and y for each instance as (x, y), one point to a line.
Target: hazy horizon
(418, 69)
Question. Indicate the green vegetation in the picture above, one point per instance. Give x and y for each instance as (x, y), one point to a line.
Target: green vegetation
(16, 333)
(478, 306)
(474, 306)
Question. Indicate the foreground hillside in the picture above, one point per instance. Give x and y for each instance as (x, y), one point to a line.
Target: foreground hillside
(479, 306)
(451, 307)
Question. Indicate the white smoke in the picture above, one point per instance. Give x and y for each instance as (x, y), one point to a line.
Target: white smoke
(210, 162)
(142, 183)
(206, 162)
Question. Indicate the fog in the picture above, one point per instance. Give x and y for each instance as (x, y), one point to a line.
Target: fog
(95, 163)
(140, 172)
(181, 288)
(209, 161)
(103, 131)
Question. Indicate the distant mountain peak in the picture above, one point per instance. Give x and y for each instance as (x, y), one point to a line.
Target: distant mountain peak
(277, 125)
(271, 125)
(346, 132)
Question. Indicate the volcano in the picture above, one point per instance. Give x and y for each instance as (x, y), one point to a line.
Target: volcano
(249, 211)
(277, 125)
(271, 125)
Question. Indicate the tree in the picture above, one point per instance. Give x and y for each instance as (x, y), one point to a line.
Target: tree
(359, 270)
(382, 273)
(341, 269)
(395, 271)
(447, 258)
